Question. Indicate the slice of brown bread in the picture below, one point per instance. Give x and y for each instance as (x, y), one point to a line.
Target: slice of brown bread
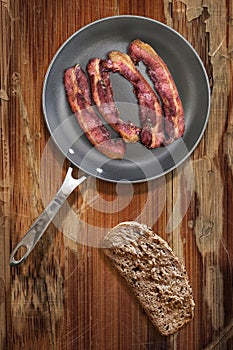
(154, 273)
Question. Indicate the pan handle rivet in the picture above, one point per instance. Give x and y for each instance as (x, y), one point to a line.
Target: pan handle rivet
(99, 170)
(71, 151)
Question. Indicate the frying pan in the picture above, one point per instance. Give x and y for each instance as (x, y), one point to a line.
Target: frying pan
(139, 163)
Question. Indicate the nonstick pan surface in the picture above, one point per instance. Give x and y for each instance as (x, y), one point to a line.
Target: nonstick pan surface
(96, 40)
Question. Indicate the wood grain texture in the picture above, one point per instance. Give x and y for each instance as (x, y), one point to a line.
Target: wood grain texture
(66, 296)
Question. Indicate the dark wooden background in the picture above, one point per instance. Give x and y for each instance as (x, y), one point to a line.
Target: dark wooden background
(66, 296)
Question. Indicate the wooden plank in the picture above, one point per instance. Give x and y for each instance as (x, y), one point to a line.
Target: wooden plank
(66, 296)
(5, 172)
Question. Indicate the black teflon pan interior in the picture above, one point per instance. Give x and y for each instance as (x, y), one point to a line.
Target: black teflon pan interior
(96, 40)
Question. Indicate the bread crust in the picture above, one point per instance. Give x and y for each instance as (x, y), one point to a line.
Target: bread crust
(154, 273)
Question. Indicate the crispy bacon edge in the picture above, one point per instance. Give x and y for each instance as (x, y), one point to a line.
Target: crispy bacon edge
(102, 95)
(164, 85)
(151, 114)
(78, 94)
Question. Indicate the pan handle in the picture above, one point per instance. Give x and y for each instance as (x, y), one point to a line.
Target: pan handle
(40, 225)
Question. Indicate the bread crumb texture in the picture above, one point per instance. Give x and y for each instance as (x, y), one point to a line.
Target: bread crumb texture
(153, 272)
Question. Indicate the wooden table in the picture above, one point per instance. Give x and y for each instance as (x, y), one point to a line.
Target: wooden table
(66, 296)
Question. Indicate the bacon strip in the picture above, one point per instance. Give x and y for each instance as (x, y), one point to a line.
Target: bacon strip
(102, 95)
(78, 95)
(151, 114)
(164, 85)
